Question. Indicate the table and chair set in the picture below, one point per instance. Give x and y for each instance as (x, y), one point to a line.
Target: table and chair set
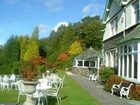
(48, 86)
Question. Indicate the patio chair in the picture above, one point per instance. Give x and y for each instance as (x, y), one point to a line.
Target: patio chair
(54, 92)
(21, 89)
(62, 81)
(13, 81)
(40, 97)
(5, 82)
(0, 82)
(93, 77)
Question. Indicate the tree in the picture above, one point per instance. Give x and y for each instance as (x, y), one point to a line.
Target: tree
(35, 34)
(75, 48)
(23, 42)
(2, 60)
(12, 49)
(32, 50)
(33, 45)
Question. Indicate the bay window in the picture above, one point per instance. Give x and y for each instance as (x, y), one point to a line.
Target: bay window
(128, 60)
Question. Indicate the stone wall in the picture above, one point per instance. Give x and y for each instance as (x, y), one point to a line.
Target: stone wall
(81, 71)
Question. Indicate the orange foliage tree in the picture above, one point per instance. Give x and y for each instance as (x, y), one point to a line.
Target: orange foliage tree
(63, 56)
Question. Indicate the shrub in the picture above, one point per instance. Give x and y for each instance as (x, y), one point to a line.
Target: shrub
(105, 72)
(135, 92)
(113, 79)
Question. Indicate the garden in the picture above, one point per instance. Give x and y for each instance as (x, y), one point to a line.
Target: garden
(71, 94)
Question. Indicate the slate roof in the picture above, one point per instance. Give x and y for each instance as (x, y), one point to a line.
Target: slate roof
(94, 56)
(131, 36)
(88, 53)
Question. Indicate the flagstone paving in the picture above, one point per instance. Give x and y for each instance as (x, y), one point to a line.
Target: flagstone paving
(96, 90)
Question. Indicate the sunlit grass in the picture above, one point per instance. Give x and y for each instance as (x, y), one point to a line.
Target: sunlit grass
(73, 94)
(10, 96)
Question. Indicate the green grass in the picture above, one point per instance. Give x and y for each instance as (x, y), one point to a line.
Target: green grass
(71, 94)
(10, 96)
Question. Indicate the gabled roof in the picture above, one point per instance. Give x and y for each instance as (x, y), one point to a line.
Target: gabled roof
(108, 6)
(89, 52)
(107, 9)
(95, 56)
(131, 36)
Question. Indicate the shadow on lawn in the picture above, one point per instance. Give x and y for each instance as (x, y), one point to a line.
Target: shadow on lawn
(53, 101)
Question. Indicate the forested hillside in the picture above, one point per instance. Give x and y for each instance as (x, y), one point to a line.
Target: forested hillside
(69, 41)
(59, 49)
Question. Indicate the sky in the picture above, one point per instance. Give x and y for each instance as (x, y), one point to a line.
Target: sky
(20, 17)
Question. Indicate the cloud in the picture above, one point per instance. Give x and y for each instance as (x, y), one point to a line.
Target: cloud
(44, 30)
(59, 24)
(87, 8)
(95, 7)
(54, 5)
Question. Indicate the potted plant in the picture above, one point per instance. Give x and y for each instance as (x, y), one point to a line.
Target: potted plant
(32, 68)
(29, 72)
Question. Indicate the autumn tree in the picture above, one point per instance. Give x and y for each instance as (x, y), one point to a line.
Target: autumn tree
(33, 45)
(75, 48)
(23, 42)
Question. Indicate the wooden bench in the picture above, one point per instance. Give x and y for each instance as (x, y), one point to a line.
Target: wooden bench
(121, 89)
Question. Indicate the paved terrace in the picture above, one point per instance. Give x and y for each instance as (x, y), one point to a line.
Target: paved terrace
(96, 90)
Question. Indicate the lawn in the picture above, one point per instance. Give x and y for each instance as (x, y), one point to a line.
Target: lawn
(71, 94)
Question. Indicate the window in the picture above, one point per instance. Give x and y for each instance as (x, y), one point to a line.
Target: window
(136, 11)
(128, 60)
(130, 65)
(86, 63)
(125, 65)
(80, 63)
(114, 25)
(125, 49)
(121, 68)
(111, 58)
(130, 48)
(92, 64)
(135, 65)
(135, 48)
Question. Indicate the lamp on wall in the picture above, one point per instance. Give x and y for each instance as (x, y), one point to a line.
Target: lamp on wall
(107, 9)
(124, 2)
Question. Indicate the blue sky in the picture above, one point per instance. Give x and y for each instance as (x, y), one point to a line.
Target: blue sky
(20, 17)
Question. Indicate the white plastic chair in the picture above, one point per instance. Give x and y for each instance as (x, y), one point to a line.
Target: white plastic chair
(5, 82)
(1, 82)
(21, 89)
(13, 81)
